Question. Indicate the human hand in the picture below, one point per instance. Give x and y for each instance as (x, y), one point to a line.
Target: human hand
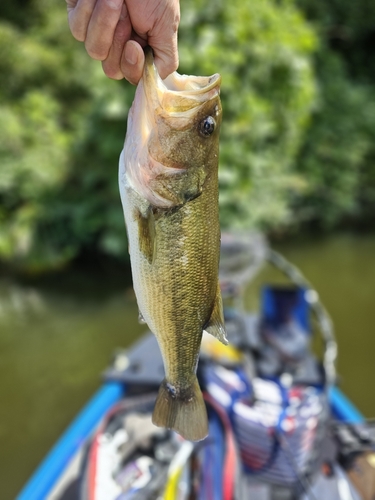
(115, 32)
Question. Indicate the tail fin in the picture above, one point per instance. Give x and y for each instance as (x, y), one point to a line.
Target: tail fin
(182, 410)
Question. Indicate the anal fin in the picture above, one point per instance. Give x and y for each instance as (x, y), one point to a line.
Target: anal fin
(215, 325)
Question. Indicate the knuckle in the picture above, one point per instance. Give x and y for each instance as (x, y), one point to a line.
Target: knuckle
(168, 62)
(121, 34)
(129, 76)
(131, 80)
(176, 22)
(96, 52)
(112, 70)
(78, 34)
(78, 30)
(171, 67)
(175, 62)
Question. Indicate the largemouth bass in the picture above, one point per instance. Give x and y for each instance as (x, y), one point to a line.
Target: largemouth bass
(168, 176)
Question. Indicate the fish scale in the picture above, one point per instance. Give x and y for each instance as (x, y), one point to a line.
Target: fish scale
(168, 176)
(178, 328)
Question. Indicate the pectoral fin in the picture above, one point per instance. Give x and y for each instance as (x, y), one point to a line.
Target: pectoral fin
(215, 325)
(147, 234)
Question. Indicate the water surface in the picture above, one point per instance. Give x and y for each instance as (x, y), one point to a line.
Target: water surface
(57, 337)
(342, 269)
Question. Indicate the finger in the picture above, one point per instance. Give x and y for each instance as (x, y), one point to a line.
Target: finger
(79, 15)
(165, 56)
(111, 66)
(132, 61)
(163, 39)
(102, 27)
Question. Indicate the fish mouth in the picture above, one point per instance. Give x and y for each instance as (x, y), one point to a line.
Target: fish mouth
(177, 93)
(161, 110)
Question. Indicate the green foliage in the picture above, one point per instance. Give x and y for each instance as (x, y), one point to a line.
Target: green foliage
(63, 123)
(338, 155)
(262, 50)
(347, 28)
(336, 148)
(58, 157)
(297, 142)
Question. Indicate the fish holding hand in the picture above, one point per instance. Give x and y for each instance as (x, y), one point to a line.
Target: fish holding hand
(168, 177)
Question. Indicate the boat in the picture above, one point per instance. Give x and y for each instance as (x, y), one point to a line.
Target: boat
(280, 428)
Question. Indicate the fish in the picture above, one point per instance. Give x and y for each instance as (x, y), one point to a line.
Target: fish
(168, 179)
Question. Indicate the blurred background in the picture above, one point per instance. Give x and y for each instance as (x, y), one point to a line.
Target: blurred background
(297, 162)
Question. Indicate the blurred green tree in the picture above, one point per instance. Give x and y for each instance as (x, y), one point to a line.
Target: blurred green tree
(338, 156)
(262, 50)
(63, 123)
(61, 128)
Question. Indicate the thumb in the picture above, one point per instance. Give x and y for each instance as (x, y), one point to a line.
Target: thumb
(162, 38)
(165, 55)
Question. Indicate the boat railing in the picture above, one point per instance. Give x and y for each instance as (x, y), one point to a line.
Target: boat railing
(243, 255)
(322, 317)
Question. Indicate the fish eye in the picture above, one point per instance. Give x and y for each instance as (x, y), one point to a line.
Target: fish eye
(207, 126)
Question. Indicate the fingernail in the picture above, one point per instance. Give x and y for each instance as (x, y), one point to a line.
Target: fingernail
(114, 4)
(124, 12)
(130, 54)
